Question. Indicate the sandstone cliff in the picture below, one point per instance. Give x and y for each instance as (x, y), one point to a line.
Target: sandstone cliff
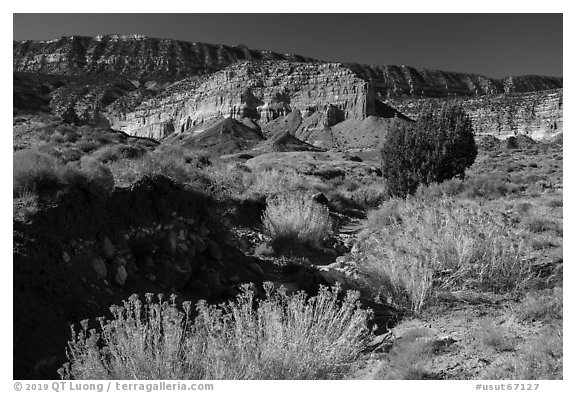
(536, 114)
(160, 87)
(391, 81)
(132, 56)
(262, 91)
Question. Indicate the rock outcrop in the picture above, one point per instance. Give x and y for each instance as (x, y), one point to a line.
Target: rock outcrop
(536, 114)
(132, 56)
(262, 91)
(391, 81)
(159, 87)
(226, 136)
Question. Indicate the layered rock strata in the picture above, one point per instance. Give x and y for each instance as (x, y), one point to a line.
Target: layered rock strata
(536, 114)
(390, 81)
(262, 91)
(132, 56)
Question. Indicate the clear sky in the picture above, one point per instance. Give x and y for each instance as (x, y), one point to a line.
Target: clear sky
(494, 45)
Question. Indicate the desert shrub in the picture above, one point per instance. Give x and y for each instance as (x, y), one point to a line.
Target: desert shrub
(408, 359)
(387, 214)
(279, 337)
(491, 186)
(540, 359)
(97, 173)
(438, 146)
(153, 164)
(68, 132)
(198, 158)
(57, 138)
(512, 143)
(370, 195)
(87, 146)
(27, 202)
(115, 152)
(229, 180)
(296, 217)
(494, 337)
(69, 154)
(33, 171)
(545, 305)
(537, 224)
(41, 173)
(449, 188)
(271, 182)
(329, 173)
(414, 247)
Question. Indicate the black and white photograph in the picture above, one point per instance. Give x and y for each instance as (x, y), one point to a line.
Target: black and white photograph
(287, 196)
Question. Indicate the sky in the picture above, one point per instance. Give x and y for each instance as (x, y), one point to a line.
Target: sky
(495, 45)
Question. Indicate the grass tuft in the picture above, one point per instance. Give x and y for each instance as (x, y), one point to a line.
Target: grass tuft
(412, 248)
(296, 218)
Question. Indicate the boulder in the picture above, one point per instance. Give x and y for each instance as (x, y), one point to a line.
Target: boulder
(121, 275)
(65, 257)
(108, 248)
(99, 266)
(119, 261)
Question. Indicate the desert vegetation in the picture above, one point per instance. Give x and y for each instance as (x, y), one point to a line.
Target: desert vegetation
(485, 238)
(277, 337)
(417, 247)
(438, 146)
(296, 217)
(489, 235)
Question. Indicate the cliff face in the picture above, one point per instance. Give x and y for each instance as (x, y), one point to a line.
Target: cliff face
(132, 56)
(401, 81)
(140, 57)
(262, 91)
(159, 87)
(536, 114)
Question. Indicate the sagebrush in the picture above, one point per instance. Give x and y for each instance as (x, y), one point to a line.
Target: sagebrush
(278, 337)
(415, 247)
(296, 217)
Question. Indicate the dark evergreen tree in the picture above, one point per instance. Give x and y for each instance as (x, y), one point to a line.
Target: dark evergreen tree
(438, 146)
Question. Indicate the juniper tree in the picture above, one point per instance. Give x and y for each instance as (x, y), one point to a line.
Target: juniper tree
(438, 146)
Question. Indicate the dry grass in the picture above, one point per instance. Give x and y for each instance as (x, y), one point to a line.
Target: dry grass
(272, 182)
(407, 360)
(43, 174)
(545, 305)
(154, 164)
(99, 174)
(296, 218)
(539, 359)
(279, 337)
(411, 248)
(494, 337)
